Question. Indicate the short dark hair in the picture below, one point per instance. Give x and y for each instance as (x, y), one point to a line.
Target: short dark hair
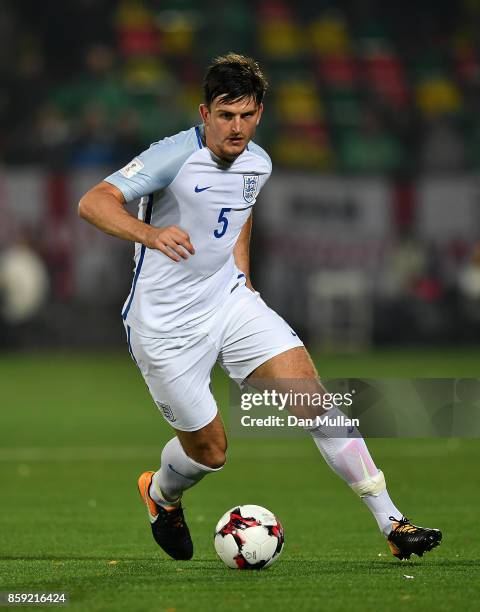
(234, 77)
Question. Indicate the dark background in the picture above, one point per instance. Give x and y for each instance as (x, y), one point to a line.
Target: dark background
(367, 232)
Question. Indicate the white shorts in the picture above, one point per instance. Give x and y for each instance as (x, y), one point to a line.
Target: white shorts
(241, 336)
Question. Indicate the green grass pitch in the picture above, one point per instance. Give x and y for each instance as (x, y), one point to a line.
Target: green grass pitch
(76, 430)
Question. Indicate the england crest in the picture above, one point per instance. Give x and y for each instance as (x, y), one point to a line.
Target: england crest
(250, 187)
(167, 411)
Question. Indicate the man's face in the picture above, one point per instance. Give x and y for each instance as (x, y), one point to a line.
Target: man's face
(230, 127)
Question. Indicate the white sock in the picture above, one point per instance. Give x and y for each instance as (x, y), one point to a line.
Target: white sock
(382, 508)
(177, 473)
(348, 456)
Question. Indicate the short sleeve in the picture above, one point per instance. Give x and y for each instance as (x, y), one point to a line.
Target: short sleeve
(155, 168)
(257, 150)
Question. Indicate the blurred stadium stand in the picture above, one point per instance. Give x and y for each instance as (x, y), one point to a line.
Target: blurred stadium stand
(371, 122)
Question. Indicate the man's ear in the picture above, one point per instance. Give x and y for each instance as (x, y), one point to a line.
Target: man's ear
(260, 111)
(204, 112)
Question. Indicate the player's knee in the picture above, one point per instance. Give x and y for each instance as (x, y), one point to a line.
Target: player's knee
(216, 462)
(215, 458)
(211, 455)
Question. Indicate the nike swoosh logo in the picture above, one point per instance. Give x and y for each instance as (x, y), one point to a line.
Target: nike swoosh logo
(199, 189)
(146, 496)
(174, 470)
(151, 517)
(293, 333)
(364, 467)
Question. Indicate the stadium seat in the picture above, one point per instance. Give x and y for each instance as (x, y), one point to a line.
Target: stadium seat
(438, 95)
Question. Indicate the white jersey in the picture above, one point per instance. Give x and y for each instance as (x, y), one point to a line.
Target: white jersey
(181, 182)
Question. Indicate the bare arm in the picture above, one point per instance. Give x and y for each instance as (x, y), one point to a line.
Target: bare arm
(241, 251)
(104, 207)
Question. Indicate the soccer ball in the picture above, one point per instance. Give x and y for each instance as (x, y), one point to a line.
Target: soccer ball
(249, 537)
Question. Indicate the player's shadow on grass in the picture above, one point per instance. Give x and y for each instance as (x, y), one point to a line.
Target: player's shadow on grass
(428, 563)
(303, 566)
(74, 557)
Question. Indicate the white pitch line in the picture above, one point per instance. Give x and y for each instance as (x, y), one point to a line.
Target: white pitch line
(78, 453)
(276, 450)
(114, 453)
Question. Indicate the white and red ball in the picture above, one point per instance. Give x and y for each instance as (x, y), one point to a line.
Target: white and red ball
(249, 537)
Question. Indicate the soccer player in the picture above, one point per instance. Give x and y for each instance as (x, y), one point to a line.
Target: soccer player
(192, 303)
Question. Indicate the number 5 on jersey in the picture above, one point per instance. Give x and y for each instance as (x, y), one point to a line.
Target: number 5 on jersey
(218, 233)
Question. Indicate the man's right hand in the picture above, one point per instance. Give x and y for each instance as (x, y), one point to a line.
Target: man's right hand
(171, 240)
(104, 207)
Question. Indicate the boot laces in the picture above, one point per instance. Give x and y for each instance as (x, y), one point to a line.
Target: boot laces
(403, 525)
(174, 518)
